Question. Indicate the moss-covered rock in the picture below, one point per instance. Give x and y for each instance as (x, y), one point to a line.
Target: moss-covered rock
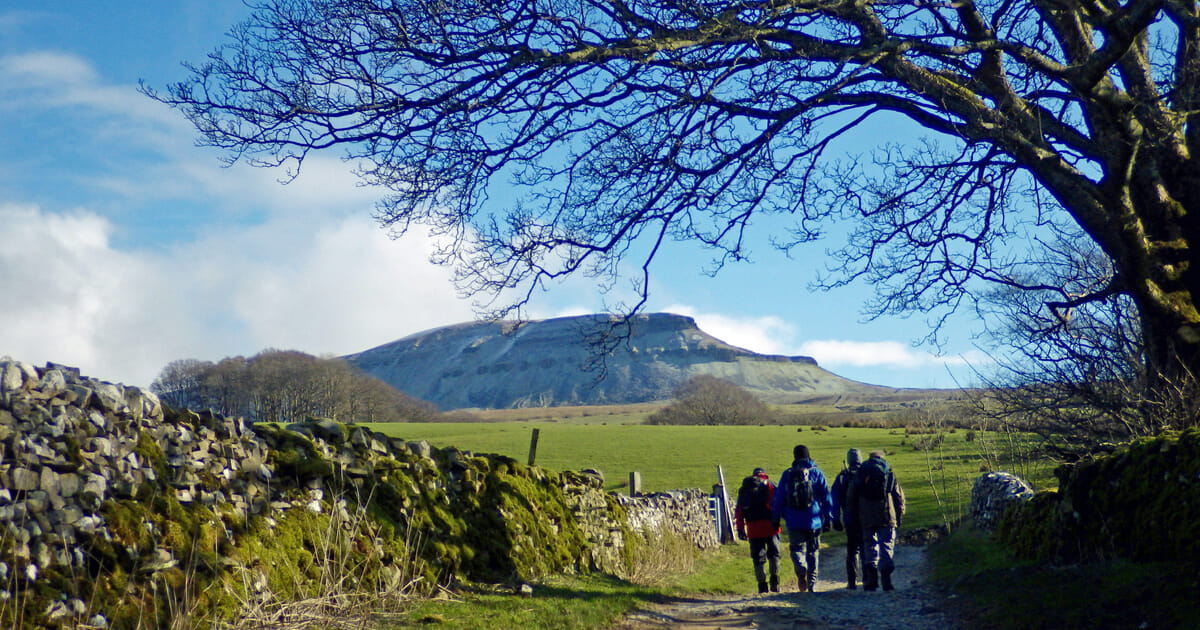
(1140, 503)
(136, 515)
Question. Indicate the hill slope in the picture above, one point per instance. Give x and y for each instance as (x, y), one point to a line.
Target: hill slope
(494, 365)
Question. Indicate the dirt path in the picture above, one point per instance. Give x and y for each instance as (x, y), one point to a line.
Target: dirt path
(913, 605)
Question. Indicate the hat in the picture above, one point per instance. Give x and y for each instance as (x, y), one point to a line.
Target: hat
(758, 472)
(853, 457)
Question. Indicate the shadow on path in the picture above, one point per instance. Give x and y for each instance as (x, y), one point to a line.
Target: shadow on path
(914, 605)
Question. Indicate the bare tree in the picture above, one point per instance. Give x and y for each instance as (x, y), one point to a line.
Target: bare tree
(626, 125)
(287, 386)
(706, 399)
(180, 382)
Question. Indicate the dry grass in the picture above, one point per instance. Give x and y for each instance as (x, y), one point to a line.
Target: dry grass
(355, 582)
(660, 557)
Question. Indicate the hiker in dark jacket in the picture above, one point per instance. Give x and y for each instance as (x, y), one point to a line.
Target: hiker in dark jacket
(879, 500)
(805, 509)
(753, 516)
(845, 516)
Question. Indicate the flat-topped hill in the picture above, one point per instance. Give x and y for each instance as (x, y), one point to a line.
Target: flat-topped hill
(494, 365)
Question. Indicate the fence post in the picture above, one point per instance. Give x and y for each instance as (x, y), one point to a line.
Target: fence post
(635, 483)
(726, 510)
(533, 446)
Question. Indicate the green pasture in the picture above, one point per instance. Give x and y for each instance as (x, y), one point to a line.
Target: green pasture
(937, 481)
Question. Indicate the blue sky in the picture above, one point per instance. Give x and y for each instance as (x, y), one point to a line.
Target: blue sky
(124, 247)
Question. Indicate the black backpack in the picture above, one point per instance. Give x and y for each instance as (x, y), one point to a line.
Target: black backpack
(800, 490)
(842, 484)
(752, 498)
(873, 480)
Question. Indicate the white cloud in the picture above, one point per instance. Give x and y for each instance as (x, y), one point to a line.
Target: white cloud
(47, 69)
(893, 354)
(67, 295)
(342, 286)
(50, 78)
(764, 335)
(176, 257)
(337, 286)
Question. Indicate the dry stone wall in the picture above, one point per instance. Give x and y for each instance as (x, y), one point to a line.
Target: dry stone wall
(110, 501)
(994, 493)
(1139, 503)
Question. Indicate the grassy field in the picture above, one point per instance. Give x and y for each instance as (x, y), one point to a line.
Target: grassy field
(937, 480)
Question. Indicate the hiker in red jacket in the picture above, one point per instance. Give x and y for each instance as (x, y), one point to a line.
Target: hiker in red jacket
(753, 516)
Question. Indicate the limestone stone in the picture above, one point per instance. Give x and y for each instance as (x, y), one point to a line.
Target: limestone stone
(37, 502)
(68, 484)
(53, 383)
(49, 480)
(24, 479)
(109, 397)
(11, 377)
(993, 493)
(96, 485)
(421, 448)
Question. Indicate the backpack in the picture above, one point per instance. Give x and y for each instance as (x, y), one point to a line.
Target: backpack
(872, 480)
(800, 490)
(842, 484)
(752, 498)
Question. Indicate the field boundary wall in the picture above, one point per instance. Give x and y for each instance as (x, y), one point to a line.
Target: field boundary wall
(100, 480)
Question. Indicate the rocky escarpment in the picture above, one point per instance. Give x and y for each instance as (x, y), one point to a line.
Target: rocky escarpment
(544, 363)
(116, 511)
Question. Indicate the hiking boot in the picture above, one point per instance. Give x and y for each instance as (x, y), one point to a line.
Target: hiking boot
(762, 587)
(886, 578)
(774, 583)
(850, 584)
(870, 578)
(802, 581)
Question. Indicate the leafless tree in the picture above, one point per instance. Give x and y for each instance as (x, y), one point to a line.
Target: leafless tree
(181, 382)
(624, 125)
(287, 386)
(706, 399)
(1077, 374)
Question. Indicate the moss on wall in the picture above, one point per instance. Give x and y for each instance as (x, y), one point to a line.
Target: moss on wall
(1140, 503)
(175, 516)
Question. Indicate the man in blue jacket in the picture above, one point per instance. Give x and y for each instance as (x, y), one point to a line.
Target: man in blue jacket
(802, 502)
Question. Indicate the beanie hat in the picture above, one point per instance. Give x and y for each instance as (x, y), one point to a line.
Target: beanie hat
(800, 452)
(758, 472)
(853, 458)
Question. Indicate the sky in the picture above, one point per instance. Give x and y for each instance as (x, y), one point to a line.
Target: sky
(124, 246)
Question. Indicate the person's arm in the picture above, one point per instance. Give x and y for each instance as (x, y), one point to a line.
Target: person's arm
(851, 494)
(825, 500)
(777, 499)
(898, 502)
(834, 493)
(836, 499)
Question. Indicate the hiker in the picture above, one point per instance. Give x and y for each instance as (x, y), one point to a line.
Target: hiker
(879, 499)
(754, 522)
(845, 516)
(802, 502)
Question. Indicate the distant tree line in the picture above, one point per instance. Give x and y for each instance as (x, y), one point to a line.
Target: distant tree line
(706, 399)
(287, 386)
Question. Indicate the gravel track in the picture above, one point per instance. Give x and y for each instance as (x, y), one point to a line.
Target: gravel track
(914, 605)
